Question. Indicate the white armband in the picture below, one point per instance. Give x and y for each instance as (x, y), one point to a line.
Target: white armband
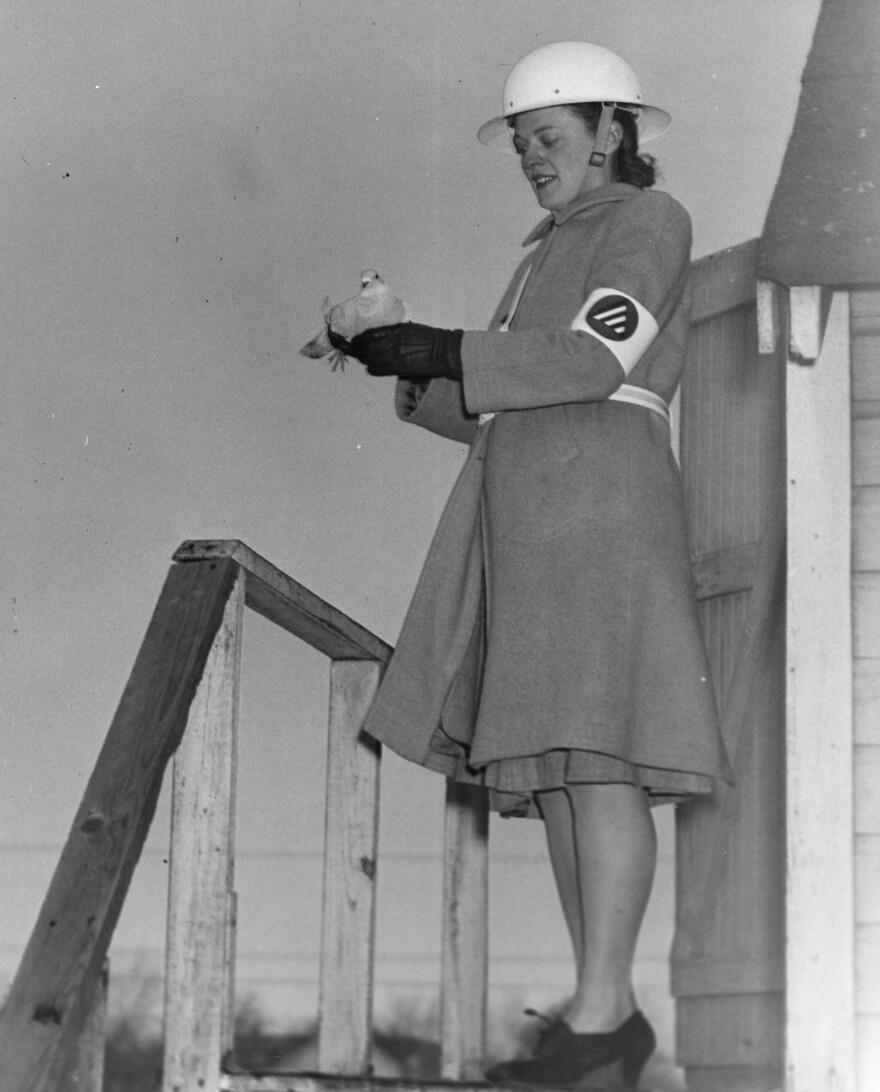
(620, 322)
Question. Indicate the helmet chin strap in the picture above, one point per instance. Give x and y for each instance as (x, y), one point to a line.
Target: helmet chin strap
(600, 141)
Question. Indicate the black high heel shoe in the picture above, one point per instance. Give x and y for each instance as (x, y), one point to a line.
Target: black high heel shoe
(606, 1060)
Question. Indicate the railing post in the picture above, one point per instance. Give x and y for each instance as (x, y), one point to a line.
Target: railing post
(49, 1002)
(464, 973)
(349, 900)
(198, 967)
(820, 927)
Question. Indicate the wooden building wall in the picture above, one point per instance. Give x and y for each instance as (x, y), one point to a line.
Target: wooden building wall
(727, 969)
(865, 333)
(833, 778)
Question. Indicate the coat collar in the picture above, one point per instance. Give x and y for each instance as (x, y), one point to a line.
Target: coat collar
(614, 191)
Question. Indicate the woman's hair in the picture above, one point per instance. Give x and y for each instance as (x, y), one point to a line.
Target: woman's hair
(630, 165)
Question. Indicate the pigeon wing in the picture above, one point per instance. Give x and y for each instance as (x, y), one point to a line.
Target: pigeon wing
(319, 345)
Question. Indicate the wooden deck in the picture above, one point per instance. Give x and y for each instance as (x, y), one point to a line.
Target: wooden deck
(277, 1081)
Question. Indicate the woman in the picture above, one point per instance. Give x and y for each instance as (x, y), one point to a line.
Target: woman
(552, 651)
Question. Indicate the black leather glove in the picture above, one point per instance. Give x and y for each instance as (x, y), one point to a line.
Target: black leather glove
(339, 342)
(409, 350)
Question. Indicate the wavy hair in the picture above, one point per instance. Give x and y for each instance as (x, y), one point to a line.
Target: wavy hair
(629, 164)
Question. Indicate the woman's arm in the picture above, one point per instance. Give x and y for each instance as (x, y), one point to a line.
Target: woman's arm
(632, 290)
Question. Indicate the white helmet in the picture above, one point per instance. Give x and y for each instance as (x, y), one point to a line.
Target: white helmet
(567, 72)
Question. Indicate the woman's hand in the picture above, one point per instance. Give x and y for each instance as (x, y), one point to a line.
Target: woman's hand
(409, 350)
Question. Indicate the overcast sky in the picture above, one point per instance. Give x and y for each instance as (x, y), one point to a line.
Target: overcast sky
(183, 184)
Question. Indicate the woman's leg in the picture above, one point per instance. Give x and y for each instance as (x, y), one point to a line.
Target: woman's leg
(555, 808)
(603, 859)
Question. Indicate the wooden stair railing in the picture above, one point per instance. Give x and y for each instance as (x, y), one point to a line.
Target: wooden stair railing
(181, 700)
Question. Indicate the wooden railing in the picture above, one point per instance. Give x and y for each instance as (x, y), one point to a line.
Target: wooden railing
(181, 700)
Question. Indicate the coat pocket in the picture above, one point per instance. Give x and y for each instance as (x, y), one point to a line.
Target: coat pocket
(536, 486)
(560, 434)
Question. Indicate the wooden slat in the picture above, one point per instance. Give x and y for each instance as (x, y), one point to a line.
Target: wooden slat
(276, 596)
(754, 1035)
(866, 450)
(805, 322)
(866, 377)
(705, 888)
(865, 304)
(820, 910)
(723, 281)
(465, 946)
(866, 529)
(868, 403)
(866, 615)
(868, 970)
(865, 329)
(724, 572)
(715, 977)
(868, 878)
(349, 901)
(866, 699)
(729, 850)
(865, 307)
(197, 968)
(868, 1048)
(728, 400)
(313, 1082)
(227, 1030)
(865, 320)
(768, 316)
(48, 1003)
(866, 763)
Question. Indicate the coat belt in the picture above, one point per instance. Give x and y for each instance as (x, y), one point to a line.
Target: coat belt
(626, 392)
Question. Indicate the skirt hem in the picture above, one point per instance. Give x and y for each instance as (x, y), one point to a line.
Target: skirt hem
(513, 782)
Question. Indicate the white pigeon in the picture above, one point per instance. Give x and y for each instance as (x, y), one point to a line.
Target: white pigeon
(374, 305)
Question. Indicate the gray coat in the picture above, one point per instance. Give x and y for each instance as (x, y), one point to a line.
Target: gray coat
(556, 607)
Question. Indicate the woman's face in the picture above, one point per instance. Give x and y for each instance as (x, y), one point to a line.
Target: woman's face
(554, 147)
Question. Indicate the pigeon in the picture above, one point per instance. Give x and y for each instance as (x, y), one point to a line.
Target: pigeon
(374, 305)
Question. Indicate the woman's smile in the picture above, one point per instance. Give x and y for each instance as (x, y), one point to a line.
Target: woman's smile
(540, 181)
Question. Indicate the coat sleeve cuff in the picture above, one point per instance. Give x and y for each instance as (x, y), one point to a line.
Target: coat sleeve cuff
(481, 383)
(437, 406)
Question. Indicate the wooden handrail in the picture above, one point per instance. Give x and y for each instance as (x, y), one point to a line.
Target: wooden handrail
(350, 862)
(276, 596)
(50, 1000)
(181, 699)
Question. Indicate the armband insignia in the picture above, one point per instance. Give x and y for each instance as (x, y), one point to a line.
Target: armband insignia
(619, 322)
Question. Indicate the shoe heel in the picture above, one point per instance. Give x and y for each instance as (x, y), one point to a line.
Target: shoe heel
(608, 1078)
(631, 1071)
(636, 1054)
